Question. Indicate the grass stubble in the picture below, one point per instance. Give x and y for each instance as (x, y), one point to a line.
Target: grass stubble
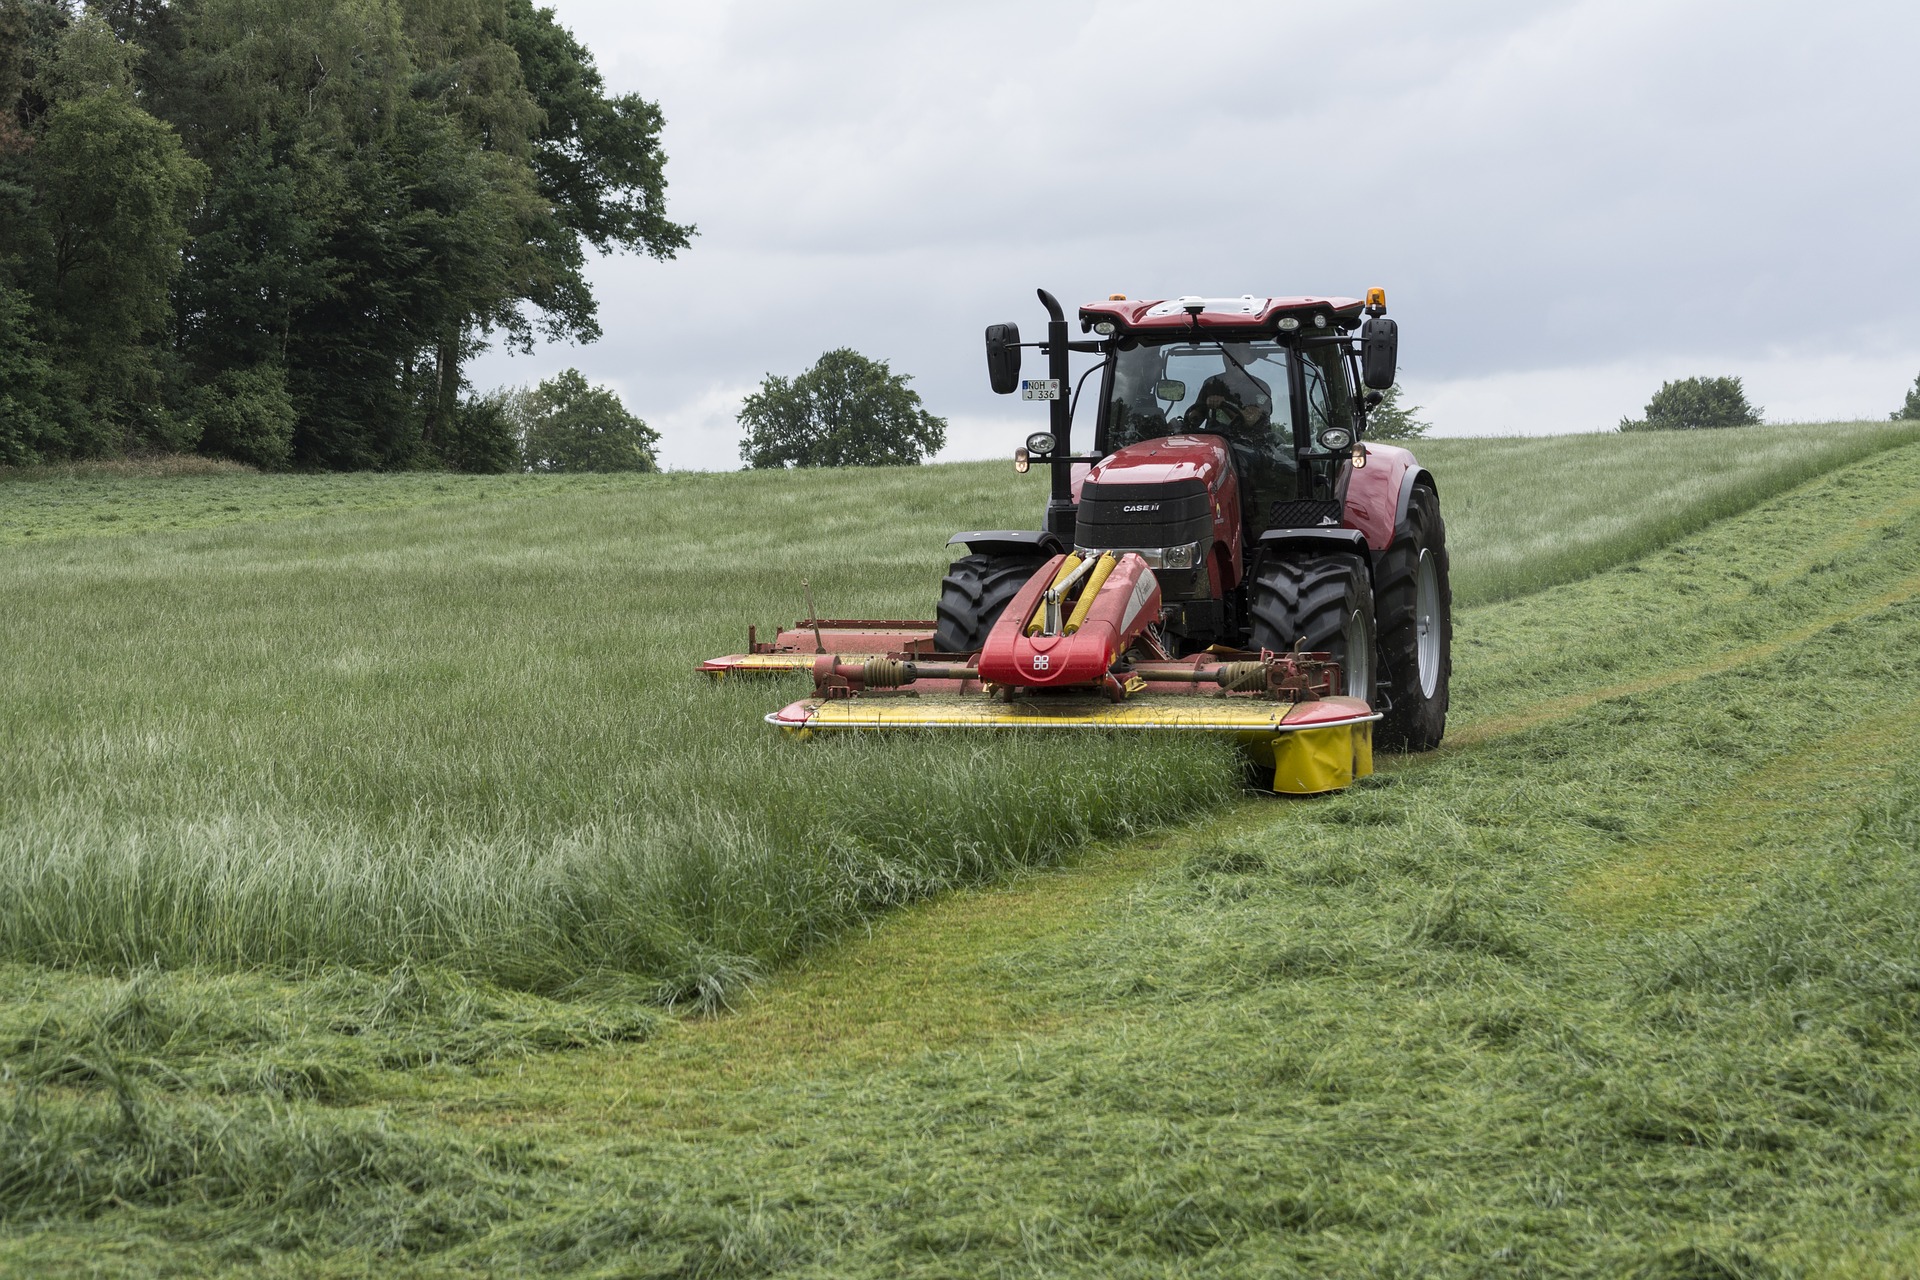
(1416, 1028)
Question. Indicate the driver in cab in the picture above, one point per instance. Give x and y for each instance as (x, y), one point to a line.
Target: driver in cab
(1239, 406)
(1234, 404)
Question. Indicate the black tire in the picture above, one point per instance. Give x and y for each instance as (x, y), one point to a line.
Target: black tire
(974, 593)
(1326, 601)
(1414, 691)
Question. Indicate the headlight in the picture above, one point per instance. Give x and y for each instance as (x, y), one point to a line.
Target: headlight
(1183, 557)
(1020, 461)
(1040, 442)
(1334, 439)
(1104, 328)
(1188, 556)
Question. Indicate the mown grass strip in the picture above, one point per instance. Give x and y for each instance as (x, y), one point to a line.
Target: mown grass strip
(1528, 513)
(1357, 1037)
(1708, 864)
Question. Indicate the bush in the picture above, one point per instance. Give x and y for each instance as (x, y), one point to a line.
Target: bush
(566, 424)
(247, 415)
(1911, 409)
(29, 424)
(485, 438)
(846, 411)
(1389, 421)
(1695, 403)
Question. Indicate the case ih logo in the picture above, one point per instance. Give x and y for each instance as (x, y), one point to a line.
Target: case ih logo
(1141, 506)
(1040, 661)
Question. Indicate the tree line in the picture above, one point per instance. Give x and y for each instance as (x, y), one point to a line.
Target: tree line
(276, 230)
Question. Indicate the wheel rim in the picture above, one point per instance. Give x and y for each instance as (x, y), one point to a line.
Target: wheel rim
(1359, 652)
(1426, 618)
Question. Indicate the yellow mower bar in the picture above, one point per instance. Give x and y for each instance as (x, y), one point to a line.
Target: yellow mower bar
(1312, 747)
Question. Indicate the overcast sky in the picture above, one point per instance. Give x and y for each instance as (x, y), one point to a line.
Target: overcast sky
(1566, 203)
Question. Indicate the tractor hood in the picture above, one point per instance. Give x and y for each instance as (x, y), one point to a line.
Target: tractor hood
(1168, 460)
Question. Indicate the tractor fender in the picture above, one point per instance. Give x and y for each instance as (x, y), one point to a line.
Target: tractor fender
(1375, 497)
(1276, 540)
(1001, 542)
(1416, 476)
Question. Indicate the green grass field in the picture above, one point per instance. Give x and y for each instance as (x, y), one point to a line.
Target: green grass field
(448, 720)
(349, 853)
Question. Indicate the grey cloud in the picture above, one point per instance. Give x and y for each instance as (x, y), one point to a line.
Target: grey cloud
(1540, 187)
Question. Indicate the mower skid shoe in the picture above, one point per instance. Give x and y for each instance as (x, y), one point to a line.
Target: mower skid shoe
(1313, 762)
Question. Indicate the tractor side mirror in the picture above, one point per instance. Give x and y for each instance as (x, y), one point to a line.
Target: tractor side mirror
(1003, 358)
(1379, 352)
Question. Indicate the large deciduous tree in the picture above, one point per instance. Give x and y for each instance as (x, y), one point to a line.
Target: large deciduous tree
(389, 185)
(99, 193)
(570, 425)
(846, 411)
(1693, 404)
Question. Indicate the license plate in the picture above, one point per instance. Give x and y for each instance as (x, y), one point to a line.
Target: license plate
(1040, 388)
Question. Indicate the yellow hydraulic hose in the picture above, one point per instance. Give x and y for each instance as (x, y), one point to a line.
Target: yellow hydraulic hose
(1039, 618)
(1094, 582)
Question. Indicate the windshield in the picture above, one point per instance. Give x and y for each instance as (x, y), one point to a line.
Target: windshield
(1235, 389)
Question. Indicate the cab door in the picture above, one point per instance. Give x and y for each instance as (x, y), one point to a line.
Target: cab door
(1329, 403)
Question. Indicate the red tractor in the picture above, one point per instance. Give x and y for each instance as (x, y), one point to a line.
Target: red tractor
(1229, 557)
(1229, 453)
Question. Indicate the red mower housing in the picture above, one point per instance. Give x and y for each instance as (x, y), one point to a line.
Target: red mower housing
(1126, 601)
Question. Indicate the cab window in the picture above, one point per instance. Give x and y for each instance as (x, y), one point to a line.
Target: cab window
(1238, 390)
(1329, 398)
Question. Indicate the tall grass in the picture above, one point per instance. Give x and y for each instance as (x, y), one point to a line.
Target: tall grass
(452, 721)
(471, 735)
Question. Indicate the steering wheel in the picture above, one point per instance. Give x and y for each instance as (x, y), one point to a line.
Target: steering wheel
(1219, 420)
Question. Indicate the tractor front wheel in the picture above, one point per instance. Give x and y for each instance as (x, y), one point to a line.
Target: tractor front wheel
(974, 594)
(1413, 601)
(1319, 603)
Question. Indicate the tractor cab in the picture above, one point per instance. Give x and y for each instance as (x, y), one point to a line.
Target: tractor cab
(1242, 393)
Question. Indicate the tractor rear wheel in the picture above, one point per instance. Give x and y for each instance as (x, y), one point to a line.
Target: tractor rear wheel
(1413, 605)
(974, 594)
(1320, 603)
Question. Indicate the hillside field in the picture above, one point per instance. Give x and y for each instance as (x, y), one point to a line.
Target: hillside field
(369, 852)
